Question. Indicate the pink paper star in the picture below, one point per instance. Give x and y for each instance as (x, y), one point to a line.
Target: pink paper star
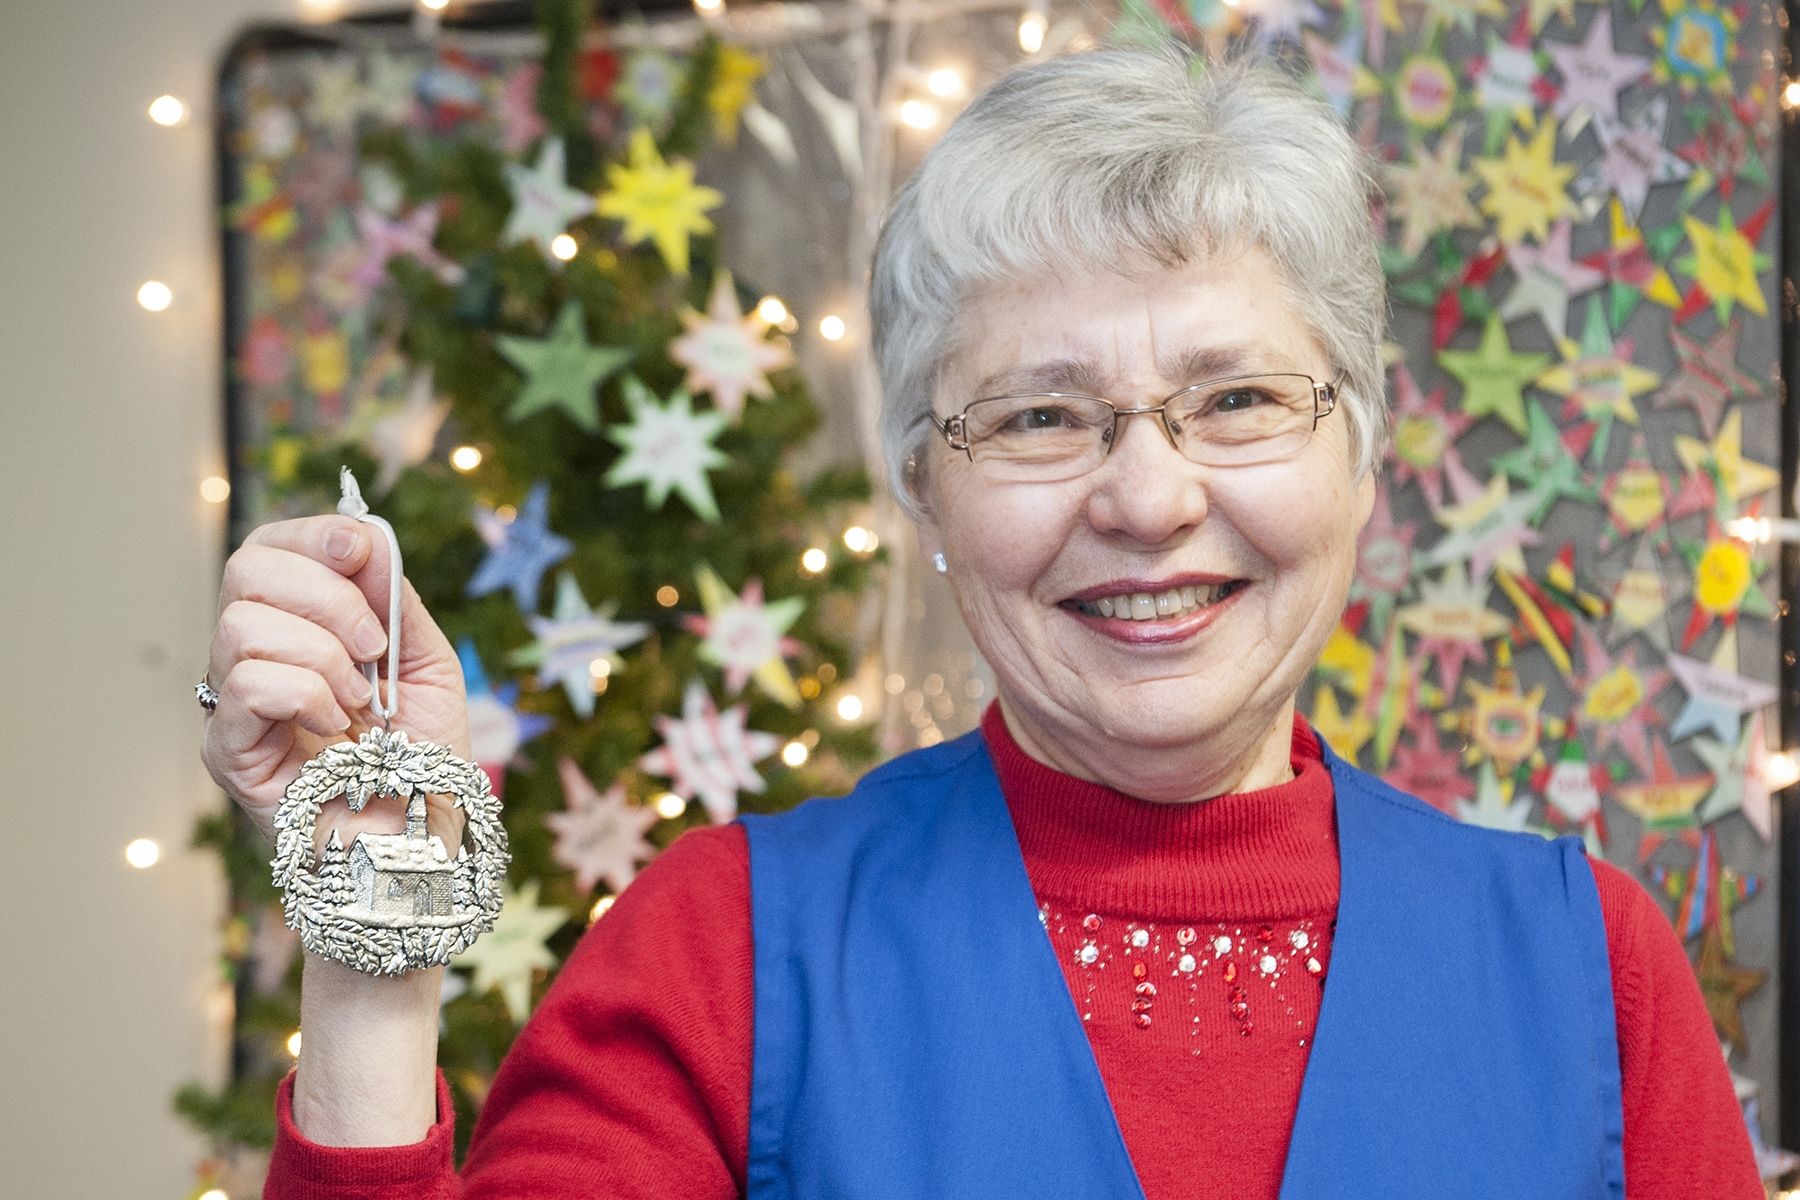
(1593, 71)
(709, 754)
(1425, 434)
(727, 353)
(1616, 700)
(383, 239)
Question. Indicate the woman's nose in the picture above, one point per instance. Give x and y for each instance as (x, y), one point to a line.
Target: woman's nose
(1145, 488)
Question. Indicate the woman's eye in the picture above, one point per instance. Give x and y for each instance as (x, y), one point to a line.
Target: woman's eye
(1238, 399)
(1031, 419)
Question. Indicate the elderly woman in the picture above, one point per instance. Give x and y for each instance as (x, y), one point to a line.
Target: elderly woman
(1141, 934)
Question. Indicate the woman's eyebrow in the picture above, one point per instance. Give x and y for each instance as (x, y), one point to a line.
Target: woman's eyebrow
(1193, 365)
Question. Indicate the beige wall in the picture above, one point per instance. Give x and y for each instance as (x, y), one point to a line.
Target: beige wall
(109, 568)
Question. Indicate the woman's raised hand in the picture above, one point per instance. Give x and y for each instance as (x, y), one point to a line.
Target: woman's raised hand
(302, 605)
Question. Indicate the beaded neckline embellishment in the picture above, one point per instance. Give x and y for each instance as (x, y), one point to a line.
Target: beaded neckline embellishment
(1246, 967)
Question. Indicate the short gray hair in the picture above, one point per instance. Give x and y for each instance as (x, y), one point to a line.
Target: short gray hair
(1125, 154)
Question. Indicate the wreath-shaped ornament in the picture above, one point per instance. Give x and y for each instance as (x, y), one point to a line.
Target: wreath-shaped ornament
(391, 902)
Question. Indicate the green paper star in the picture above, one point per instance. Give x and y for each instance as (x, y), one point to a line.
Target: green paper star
(1545, 466)
(1493, 375)
(562, 369)
(668, 448)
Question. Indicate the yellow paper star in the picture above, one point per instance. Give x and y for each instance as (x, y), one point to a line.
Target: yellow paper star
(1351, 659)
(1431, 193)
(1346, 733)
(731, 90)
(657, 200)
(1724, 264)
(1526, 185)
(1739, 476)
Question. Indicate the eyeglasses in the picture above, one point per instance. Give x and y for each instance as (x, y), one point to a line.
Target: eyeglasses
(1047, 437)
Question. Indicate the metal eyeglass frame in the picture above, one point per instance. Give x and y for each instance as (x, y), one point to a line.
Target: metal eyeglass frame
(955, 429)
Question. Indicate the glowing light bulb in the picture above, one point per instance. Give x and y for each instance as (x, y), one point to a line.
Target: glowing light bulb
(142, 853)
(945, 82)
(213, 1194)
(1755, 530)
(832, 327)
(155, 295)
(293, 1043)
(465, 458)
(599, 668)
(707, 8)
(601, 906)
(859, 540)
(667, 596)
(434, 5)
(794, 754)
(1031, 31)
(814, 560)
(1790, 96)
(918, 114)
(166, 110)
(849, 707)
(215, 489)
(1782, 770)
(669, 806)
(563, 246)
(771, 311)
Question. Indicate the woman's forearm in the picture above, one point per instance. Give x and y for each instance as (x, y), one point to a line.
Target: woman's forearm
(368, 1055)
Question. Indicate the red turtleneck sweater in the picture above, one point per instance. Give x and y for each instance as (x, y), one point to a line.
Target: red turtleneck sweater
(1195, 940)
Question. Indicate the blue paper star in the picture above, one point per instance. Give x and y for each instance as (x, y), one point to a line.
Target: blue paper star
(520, 550)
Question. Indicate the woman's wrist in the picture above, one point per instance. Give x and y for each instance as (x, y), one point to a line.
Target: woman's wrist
(367, 1068)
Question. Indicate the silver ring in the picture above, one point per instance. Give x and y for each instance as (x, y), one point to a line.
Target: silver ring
(209, 699)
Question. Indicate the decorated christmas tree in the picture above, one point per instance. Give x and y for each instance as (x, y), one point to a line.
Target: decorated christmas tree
(521, 337)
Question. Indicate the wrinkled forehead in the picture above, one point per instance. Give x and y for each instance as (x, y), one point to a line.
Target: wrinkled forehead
(1088, 329)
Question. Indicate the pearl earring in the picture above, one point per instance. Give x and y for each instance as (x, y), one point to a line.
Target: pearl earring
(940, 563)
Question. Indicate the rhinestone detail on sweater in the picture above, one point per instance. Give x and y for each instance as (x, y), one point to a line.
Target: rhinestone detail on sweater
(1245, 967)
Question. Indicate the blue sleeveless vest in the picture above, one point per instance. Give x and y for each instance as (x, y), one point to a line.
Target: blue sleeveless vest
(915, 1036)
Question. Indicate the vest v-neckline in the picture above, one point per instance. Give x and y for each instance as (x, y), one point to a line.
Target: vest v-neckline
(1024, 906)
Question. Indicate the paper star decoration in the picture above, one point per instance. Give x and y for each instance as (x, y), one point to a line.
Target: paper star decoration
(1345, 732)
(1458, 14)
(1598, 379)
(1632, 159)
(1493, 375)
(1431, 193)
(1636, 497)
(1665, 801)
(519, 550)
(1547, 278)
(1616, 700)
(401, 434)
(1572, 786)
(735, 73)
(1593, 71)
(1452, 621)
(1545, 466)
(496, 727)
(747, 637)
(1509, 79)
(507, 955)
(383, 240)
(520, 122)
(1526, 186)
(1721, 462)
(1721, 152)
(1641, 599)
(1708, 376)
(1695, 46)
(1718, 697)
(1725, 985)
(1547, 611)
(726, 353)
(599, 835)
(1494, 807)
(1384, 553)
(657, 200)
(709, 754)
(1424, 443)
(543, 202)
(1502, 723)
(562, 370)
(1425, 88)
(1633, 267)
(1430, 771)
(1741, 771)
(667, 447)
(1725, 584)
(1489, 528)
(575, 643)
(1724, 264)
(650, 86)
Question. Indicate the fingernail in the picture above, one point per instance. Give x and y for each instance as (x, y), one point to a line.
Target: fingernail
(340, 543)
(368, 636)
(362, 692)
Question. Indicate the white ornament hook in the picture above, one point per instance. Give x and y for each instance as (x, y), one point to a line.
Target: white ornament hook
(353, 505)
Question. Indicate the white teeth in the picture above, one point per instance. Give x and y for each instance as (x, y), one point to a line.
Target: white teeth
(1148, 606)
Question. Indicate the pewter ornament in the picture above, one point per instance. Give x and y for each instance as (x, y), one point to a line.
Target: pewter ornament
(390, 902)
